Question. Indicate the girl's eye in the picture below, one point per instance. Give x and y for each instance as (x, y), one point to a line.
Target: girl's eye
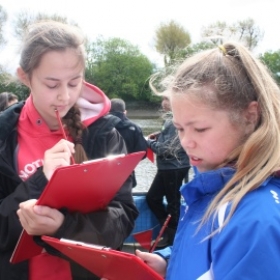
(55, 86)
(200, 129)
(51, 87)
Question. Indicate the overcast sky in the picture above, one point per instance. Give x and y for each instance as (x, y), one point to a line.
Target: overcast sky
(136, 21)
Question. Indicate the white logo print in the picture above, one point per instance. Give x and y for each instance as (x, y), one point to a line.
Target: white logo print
(29, 169)
(275, 196)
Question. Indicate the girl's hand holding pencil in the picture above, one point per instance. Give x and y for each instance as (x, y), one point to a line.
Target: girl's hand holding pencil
(61, 154)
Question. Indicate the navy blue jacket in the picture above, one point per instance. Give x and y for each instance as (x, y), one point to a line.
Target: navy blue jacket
(169, 152)
(132, 135)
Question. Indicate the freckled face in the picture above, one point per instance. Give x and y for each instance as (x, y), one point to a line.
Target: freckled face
(56, 83)
(207, 135)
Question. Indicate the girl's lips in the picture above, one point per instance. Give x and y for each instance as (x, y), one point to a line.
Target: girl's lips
(194, 160)
(60, 108)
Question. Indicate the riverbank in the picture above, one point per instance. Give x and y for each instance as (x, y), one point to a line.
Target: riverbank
(140, 110)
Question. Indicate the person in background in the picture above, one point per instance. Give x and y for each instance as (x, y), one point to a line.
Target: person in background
(32, 147)
(7, 99)
(172, 169)
(130, 131)
(226, 108)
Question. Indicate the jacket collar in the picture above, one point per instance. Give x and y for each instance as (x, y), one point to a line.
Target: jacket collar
(206, 183)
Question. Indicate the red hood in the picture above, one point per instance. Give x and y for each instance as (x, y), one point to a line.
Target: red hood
(93, 103)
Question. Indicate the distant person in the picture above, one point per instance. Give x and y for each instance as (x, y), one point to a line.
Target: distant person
(172, 169)
(130, 131)
(7, 99)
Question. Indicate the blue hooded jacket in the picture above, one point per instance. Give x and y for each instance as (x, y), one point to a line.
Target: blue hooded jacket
(248, 247)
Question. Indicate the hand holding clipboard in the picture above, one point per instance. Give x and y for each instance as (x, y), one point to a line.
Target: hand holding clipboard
(103, 261)
(84, 188)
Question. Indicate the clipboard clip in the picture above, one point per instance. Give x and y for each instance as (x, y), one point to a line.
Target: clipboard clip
(84, 244)
(109, 157)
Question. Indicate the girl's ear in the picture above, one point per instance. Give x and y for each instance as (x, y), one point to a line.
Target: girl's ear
(23, 77)
(252, 114)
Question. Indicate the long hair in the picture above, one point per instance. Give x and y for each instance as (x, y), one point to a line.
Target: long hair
(43, 37)
(236, 78)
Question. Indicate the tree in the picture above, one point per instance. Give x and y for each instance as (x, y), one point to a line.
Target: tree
(3, 19)
(119, 69)
(272, 61)
(192, 49)
(10, 84)
(25, 18)
(244, 31)
(170, 38)
(179, 57)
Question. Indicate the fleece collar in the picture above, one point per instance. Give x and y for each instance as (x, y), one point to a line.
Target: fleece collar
(93, 104)
(206, 183)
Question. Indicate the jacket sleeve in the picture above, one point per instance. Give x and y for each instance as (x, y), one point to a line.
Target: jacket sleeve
(140, 141)
(164, 253)
(10, 227)
(165, 141)
(109, 227)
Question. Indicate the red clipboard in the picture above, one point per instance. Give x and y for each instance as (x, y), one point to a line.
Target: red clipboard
(150, 155)
(103, 261)
(84, 187)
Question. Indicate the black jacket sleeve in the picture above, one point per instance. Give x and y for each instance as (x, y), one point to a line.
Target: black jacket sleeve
(12, 192)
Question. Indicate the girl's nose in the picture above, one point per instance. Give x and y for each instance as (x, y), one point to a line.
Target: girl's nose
(187, 142)
(63, 94)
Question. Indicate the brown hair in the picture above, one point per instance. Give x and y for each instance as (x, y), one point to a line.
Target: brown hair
(45, 36)
(5, 98)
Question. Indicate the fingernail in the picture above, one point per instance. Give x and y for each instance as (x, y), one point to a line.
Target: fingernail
(37, 209)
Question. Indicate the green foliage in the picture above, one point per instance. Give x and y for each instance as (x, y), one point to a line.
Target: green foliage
(182, 54)
(171, 38)
(9, 84)
(162, 77)
(272, 61)
(118, 68)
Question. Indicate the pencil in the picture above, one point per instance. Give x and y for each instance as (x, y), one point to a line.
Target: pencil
(160, 233)
(63, 132)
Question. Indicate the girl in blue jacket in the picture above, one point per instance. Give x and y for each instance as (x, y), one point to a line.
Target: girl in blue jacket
(226, 108)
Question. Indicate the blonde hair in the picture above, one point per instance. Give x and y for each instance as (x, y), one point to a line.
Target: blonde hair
(43, 37)
(236, 79)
